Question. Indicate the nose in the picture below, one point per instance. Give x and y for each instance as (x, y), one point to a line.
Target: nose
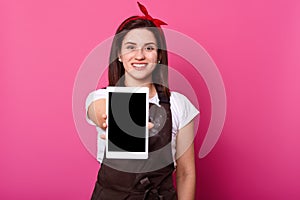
(139, 54)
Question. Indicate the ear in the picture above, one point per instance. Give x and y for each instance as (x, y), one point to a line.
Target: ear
(159, 56)
(119, 57)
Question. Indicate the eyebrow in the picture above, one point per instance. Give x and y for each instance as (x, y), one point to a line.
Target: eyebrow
(144, 44)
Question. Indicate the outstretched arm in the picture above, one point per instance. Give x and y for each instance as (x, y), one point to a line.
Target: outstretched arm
(97, 113)
(185, 172)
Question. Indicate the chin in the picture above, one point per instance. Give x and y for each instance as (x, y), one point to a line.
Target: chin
(141, 78)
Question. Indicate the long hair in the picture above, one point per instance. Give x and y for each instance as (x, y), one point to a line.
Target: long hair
(116, 69)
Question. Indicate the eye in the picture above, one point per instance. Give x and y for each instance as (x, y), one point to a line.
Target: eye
(150, 48)
(130, 47)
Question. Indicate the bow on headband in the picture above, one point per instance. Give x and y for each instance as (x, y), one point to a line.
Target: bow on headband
(156, 22)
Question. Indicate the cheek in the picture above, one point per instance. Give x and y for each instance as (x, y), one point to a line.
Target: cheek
(152, 57)
(126, 57)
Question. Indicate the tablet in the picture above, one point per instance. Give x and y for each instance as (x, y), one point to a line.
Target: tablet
(127, 111)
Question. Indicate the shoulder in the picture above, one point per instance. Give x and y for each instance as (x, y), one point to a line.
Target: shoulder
(95, 95)
(177, 96)
(98, 91)
(182, 108)
(178, 99)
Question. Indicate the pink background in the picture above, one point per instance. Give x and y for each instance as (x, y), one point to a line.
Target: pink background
(255, 45)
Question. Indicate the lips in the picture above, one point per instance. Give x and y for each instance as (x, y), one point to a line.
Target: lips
(139, 66)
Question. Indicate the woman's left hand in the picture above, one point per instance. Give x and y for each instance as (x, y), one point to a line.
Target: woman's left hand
(104, 126)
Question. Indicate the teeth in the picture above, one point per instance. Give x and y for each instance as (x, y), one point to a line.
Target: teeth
(139, 65)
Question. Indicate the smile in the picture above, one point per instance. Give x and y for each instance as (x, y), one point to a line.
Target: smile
(139, 66)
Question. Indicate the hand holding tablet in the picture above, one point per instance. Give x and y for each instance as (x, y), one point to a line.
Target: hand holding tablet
(104, 126)
(127, 111)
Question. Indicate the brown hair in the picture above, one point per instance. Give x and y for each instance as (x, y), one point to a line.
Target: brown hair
(116, 69)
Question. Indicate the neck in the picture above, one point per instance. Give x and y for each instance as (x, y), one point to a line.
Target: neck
(150, 85)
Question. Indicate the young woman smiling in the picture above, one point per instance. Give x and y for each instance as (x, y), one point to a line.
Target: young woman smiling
(138, 58)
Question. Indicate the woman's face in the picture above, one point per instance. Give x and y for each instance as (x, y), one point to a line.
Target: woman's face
(139, 55)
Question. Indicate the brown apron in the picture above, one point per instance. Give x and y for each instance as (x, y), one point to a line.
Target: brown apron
(142, 179)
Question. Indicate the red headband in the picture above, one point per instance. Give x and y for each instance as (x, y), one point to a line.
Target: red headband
(156, 22)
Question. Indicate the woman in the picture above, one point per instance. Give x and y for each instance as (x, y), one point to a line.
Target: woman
(138, 57)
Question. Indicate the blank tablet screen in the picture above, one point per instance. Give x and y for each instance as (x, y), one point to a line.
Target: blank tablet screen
(127, 122)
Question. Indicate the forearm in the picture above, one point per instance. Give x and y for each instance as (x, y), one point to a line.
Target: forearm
(185, 170)
(186, 184)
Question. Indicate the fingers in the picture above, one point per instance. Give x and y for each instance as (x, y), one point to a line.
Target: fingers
(104, 126)
(150, 125)
(103, 136)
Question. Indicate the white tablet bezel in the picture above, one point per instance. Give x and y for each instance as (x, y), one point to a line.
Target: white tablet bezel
(127, 154)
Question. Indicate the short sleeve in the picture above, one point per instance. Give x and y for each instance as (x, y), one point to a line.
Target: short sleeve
(185, 111)
(93, 96)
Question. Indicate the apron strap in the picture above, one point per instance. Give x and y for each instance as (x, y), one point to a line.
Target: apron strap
(163, 97)
(151, 191)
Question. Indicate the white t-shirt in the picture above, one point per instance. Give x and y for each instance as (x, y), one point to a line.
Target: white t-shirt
(183, 111)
